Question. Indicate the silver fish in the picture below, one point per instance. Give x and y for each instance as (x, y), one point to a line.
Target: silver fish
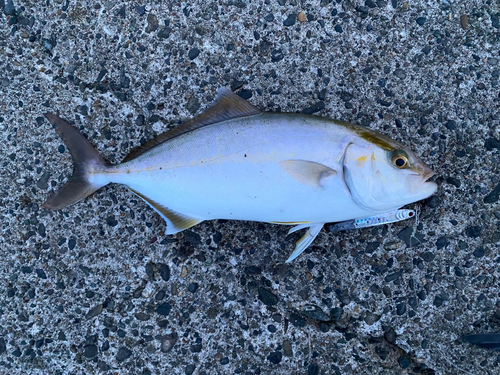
(235, 162)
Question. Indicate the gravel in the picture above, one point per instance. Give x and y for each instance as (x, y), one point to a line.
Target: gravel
(99, 288)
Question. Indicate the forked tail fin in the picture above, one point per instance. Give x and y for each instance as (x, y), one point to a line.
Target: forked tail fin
(86, 161)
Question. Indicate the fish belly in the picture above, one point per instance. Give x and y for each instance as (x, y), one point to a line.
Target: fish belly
(231, 170)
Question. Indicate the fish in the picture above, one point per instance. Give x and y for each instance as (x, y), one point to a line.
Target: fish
(236, 162)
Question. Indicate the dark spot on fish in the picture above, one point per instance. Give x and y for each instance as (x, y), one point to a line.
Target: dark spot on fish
(161, 168)
(245, 155)
(128, 171)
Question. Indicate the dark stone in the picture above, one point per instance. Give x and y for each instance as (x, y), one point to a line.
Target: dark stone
(277, 55)
(421, 20)
(434, 201)
(336, 313)
(165, 272)
(370, 4)
(453, 181)
(164, 33)
(401, 308)
(316, 313)
(9, 8)
(290, 20)
(142, 316)
(224, 361)
(164, 309)
(371, 318)
(479, 252)
(269, 17)
(492, 143)
(152, 23)
(193, 287)
(193, 53)
(338, 28)
(393, 276)
(111, 221)
(253, 270)
(3, 346)
(235, 85)
(90, 351)
(123, 354)
(267, 297)
(193, 104)
(313, 369)
(409, 238)
(390, 336)
(192, 237)
(428, 256)
(404, 362)
(43, 182)
(297, 320)
(473, 231)
(168, 342)
(314, 108)
(345, 96)
(495, 20)
(438, 301)
(41, 273)
(400, 73)
(451, 125)
(493, 196)
(442, 242)
(426, 50)
(275, 357)
(245, 94)
(189, 370)
(94, 311)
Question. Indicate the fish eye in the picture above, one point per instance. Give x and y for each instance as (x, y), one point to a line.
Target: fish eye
(399, 159)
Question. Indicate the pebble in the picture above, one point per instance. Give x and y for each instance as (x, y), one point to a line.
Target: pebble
(421, 20)
(165, 272)
(168, 342)
(164, 309)
(123, 354)
(464, 21)
(479, 252)
(184, 271)
(428, 256)
(390, 336)
(301, 17)
(267, 297)
(94, 311)
(400, 73)
(90, 351)
(193, 53)
(371, 318)
(401, 308)
(314, 108)
(442, 242)
(492, 143)
(287, 348)
(313, 369)
(275, 357)
(297, 320)
(290, 20)
(473, 231)
(493, 196)
(164, 33)
(453, 181)
(152, 23)
(315, 312)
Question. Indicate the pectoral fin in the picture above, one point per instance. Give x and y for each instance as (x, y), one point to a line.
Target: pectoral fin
(176, 221)
(305, 240)
(307, 172)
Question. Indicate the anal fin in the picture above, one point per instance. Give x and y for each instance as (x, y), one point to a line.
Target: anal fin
(305, 240)
(176, 221)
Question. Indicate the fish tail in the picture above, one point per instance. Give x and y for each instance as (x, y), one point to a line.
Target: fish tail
(86, 161)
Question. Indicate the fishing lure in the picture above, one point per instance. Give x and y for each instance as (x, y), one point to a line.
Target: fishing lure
(385, 218)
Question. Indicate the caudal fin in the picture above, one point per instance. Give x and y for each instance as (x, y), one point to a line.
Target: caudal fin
(86, 161)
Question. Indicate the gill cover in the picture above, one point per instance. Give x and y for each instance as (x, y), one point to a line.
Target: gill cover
(373, 182)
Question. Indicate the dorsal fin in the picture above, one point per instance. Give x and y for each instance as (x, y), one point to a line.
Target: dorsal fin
(227, 106)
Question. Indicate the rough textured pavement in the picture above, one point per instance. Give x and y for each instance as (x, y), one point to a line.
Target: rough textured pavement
(99, 288)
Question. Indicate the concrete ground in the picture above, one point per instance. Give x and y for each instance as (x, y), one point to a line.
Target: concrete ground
(99, 288)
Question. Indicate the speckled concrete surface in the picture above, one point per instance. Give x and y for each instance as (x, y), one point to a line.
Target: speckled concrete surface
(99, 288)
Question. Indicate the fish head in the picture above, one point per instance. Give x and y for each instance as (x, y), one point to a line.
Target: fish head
(382, 174)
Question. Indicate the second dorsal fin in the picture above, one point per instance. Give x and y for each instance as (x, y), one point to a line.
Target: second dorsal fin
(227, 106)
